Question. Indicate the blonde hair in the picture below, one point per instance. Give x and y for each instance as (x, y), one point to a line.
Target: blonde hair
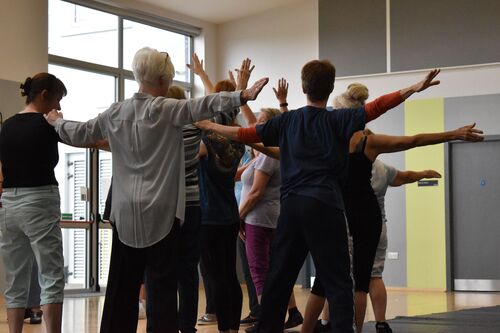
(176, 92)
(354, 97)
(271, 112)
(149, 65)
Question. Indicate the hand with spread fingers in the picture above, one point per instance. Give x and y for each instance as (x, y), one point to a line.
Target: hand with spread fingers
(251, 93)
(197, 65)
(243, 74)
(427, 82)
(469, 133)
(282, 91)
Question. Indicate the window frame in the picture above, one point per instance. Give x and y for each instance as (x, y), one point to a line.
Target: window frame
(120, 74)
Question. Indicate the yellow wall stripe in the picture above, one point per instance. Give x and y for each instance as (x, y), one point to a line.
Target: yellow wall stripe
(425, 206)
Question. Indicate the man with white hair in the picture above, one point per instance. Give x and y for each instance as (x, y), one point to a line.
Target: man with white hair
(148, 201)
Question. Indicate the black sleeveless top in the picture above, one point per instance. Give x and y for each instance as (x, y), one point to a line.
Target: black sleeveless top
(359, 198)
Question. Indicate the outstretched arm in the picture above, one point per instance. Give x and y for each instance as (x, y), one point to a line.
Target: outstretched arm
(384, 103)
(407, 177)
(75, 133)
(379, 144)
(197, 67)
(245, 135)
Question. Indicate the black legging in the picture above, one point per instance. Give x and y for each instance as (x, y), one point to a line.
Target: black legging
(218, 252)
(365, 226)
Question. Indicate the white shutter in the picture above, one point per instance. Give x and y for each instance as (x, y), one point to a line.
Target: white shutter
(105, 235)
(105, 239)
(79, 211)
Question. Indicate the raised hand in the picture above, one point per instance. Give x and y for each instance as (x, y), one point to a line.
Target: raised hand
(282, 91)
(197, 65)
(469, 133)
(251, 93)
(428, 81)
(243, 74)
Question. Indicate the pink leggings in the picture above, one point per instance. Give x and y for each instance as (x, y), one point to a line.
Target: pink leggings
(258, 246)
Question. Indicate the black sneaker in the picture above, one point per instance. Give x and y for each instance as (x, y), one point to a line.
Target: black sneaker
(248, 320)
(294, 319)
(35, 318)
(320, 328)
(383, 327)
(251, 329)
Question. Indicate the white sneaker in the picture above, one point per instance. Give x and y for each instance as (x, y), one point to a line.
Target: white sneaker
(207, 319)
(142, 310)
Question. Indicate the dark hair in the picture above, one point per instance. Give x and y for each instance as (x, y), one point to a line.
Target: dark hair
(40, 82)
(318, 77)
(224, 85)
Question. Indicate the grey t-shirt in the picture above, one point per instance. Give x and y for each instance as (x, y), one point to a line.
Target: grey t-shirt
(382, 176)
(266, 211)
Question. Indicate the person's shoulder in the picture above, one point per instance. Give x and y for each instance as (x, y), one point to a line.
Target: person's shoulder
(295, 113)
(346, 111)
(10, 120)
(266, 163)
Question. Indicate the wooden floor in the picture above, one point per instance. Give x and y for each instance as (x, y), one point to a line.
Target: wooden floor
(82, 315)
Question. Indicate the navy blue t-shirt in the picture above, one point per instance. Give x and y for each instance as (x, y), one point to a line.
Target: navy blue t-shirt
(314, 150)
(216, 180)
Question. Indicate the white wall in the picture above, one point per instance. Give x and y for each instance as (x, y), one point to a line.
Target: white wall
(279, 42)
(455, 82)
(23, 36)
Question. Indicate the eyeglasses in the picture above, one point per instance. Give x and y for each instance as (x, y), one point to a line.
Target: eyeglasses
(166, 56)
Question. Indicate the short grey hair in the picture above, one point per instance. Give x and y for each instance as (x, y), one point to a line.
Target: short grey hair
(149, 65)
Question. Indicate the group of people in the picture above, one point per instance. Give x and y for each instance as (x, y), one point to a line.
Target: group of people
(308, 188)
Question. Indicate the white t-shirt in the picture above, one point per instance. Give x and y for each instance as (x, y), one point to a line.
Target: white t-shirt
(266, 211)
(382, 176)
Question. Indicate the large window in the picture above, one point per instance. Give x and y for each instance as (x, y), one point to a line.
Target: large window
(82, 33)
(91, 51)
